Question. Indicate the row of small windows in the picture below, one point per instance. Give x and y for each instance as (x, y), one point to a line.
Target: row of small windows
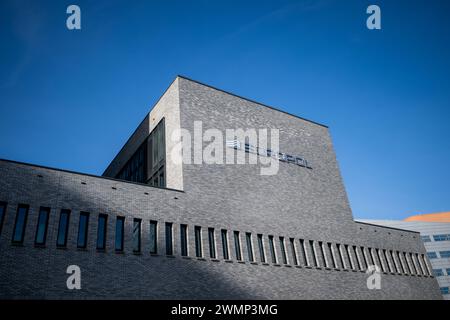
(440, 272)
(436, 237)
(442, 254)
(309, 253)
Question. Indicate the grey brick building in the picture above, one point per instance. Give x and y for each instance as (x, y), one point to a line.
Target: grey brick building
(201, 231)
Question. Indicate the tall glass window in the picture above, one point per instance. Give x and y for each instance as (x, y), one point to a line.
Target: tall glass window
(169, 239)
(198, 241)
(83, 230)
(120, 230)
(101, 231)
(225, 244)
(237, 245)
(293, 251)
(183, 239)
(137, 235)
(283, 251)
(20, 224)
(212, 243)
(41, 228)
(153, 237)
(262, 254)
(272, 250)
(63, 228)
(2, 214)
(248, 237)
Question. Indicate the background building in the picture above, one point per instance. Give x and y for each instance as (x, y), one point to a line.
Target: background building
(151, 227)
(434, 229)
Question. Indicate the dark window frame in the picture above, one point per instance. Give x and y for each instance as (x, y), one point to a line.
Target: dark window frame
(198, 241)
(225, 249)
(169, 238)
(22, 232)
(153, 230)
(184, 243)
(4, 206)
(85, 240)
(45, 210)
(137, 246)
(212, 243)
(65, 212)
(102, 247)
(121, 247)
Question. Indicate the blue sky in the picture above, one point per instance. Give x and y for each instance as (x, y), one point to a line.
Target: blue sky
(70, 99)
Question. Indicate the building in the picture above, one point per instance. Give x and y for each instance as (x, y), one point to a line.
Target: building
(201, 231)
(435, 233)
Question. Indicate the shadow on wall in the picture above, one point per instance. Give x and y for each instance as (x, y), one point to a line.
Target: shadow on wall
(28, 271)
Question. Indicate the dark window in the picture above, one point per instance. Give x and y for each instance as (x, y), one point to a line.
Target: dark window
(83, 230)
(212, 243)
(137, 235)
(262, 254)
(153, 237)
(42, 224)
(356, 257)
(120, 228)
(341, 258)
(293, 251)
(248, 237)
(303, 252)
(322, 254)
(63, 228)
(169, 244)
(2, 214)
(183, 239)
(283, 251)
(135, 169)
(225, 244)
(101, 231)
(330, 249)
(272, 250)
(347, 249)
(364, 257)
(198, 241)
(313, 253)
(237, 245)
(20, 224)
(156, 145)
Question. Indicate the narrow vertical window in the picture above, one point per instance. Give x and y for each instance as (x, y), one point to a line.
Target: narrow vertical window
(313, 253)
(225, 244)
(212, 243)
(237, 245)
(262, 254)
(383, 267)
(120, 228)
(169, 242)
(293, 251)
(83, 225)
(341, 257)
(408, 266)
(101, 231)
(248, 238)
(272, 250)
(364, 257)
(63, 228)
(402, 267)
(283, 251)
(303, 252)
(153, 237)
(2, 214)
(333, 259)
(198, 242)
(20, 224)
(350, 256)
(355, 251)
(389, 267)
(137, 235)
(183, 240)
(42, 225)
(322, 251)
